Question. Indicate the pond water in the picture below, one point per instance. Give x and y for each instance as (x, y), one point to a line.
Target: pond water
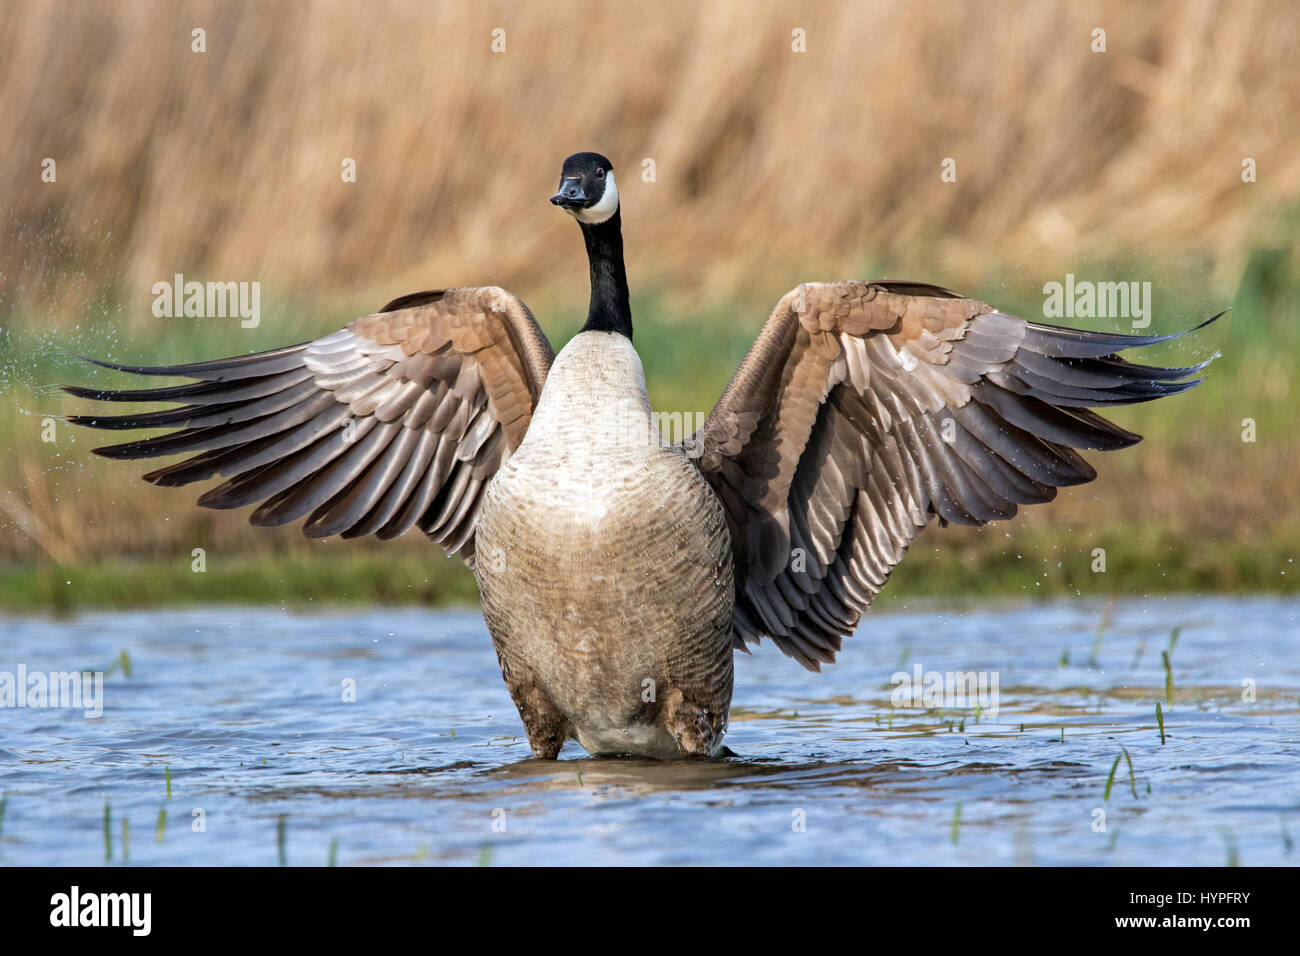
(242, 712)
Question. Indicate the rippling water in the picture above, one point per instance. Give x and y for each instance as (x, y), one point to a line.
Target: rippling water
(245, 709)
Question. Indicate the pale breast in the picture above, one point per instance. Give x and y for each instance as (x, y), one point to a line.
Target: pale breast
(603, 557)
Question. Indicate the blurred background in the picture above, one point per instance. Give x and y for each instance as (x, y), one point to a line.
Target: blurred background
(757, 145)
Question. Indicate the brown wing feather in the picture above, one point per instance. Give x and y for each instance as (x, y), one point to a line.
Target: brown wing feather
(399, 420)
(864, 410)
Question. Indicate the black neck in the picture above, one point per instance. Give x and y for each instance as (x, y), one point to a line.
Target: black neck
(610, 310)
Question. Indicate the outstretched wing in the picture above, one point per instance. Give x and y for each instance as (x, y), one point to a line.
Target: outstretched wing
(397, 421)
(864, 409)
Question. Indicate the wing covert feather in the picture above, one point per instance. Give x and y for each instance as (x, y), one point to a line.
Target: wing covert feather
(396, 421)
(866, 409)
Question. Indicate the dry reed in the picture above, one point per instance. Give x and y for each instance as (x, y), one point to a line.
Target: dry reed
(227, 164)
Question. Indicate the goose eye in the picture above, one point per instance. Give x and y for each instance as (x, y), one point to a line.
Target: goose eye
(600, 173)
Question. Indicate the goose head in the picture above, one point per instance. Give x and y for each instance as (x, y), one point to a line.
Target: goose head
(587, 191)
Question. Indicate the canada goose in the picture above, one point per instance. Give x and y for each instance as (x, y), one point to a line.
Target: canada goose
(617, 572)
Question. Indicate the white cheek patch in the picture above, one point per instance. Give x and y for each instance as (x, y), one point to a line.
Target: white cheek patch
(605, 208)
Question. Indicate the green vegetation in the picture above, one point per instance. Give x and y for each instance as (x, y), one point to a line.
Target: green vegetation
(1132, 779)
(256, 579)
(1034, 563)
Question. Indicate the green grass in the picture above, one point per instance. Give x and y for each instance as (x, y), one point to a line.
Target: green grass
(254, 579)
(1036, 563)
(1132, 779)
